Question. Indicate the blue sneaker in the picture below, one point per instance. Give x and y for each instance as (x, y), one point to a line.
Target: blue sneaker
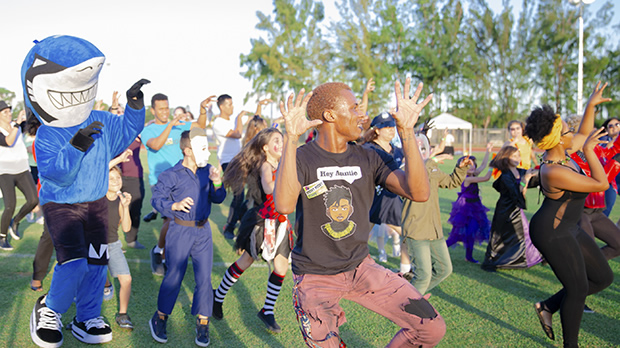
(202, 333)
(158, 327)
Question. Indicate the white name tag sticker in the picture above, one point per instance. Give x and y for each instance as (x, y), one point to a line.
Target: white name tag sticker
(348, 174)
(317, 188)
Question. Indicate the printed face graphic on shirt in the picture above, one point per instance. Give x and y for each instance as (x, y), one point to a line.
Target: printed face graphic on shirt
(338, 203)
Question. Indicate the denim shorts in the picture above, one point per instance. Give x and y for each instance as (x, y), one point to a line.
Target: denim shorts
(117, 264)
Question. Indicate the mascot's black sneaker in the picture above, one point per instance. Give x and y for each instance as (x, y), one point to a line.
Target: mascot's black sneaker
(92, 331)
(14, 230)
(202, 333)
(45, 325)
(158, 327)
(270, 321)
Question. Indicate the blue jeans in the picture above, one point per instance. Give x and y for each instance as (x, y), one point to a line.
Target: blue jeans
(610, 200)
(431, 263)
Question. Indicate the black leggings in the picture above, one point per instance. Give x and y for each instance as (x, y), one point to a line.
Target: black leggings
(8, 182)
(597, 224)
(582, 269)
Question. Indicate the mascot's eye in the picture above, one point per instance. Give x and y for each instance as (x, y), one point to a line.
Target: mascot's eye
(38, 62)
(88, 67)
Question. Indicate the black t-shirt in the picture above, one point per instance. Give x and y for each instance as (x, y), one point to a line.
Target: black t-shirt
(114, 219)
(332, 222)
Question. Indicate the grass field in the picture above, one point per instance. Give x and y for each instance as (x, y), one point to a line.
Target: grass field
(481, 309)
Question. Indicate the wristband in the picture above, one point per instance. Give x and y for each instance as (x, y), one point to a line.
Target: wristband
(434, 159)
(16, 125)
(217, 185)
(523, 184)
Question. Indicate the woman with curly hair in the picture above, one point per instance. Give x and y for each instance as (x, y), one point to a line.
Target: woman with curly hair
(573, 255)
(263, 232)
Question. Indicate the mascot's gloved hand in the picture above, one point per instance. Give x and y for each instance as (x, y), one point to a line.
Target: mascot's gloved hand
(135, 97)
(83, 139)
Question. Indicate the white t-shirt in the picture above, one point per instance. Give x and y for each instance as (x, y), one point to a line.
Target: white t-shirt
(229, 147)
(14, 158)
(449, 139)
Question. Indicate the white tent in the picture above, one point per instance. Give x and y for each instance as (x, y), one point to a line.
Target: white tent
(448, 121)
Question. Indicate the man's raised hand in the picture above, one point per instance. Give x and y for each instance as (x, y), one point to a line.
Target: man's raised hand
(407, 109)
(294, 114)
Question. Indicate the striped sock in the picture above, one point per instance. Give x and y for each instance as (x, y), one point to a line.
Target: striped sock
(273, 290)
(230, 278)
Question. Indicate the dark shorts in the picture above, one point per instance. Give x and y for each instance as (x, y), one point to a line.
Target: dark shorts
(79, 230)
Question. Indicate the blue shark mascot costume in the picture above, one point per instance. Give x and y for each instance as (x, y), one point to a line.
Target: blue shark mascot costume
(74, 146)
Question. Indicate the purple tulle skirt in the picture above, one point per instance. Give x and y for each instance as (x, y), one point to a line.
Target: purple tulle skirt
(469, 218)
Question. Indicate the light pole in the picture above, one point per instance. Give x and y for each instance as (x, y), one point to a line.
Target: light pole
(580, 3)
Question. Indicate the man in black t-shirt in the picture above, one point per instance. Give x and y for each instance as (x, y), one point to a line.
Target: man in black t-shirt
(332, 184)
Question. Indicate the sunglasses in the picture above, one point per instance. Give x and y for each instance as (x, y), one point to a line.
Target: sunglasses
(570, 130)
(612, 125)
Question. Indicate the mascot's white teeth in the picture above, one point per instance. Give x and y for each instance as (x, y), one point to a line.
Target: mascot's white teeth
(63, 100)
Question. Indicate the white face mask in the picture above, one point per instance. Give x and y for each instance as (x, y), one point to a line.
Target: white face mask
(200, 147)
(424, 146)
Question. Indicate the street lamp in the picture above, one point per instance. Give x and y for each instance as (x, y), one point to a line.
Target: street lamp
(580, 3)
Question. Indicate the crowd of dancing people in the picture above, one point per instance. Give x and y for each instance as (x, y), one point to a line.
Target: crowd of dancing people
(353, 180)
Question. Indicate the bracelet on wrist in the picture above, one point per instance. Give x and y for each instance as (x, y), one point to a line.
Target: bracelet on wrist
(435, 159)
(217, 185)
(523, 184)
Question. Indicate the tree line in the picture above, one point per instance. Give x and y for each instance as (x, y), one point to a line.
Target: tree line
(485, 67)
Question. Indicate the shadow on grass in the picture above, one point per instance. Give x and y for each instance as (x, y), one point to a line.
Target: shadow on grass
(486, 316)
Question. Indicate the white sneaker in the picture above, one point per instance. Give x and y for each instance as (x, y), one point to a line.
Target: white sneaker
(30, 217)
(40, 220)
(382, 256)
(396, 250)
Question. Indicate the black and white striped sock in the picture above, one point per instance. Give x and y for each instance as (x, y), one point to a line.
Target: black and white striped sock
(273, 290)
(230, 278)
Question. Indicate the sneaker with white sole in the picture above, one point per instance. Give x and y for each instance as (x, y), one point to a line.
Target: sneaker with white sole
(158, 327)
(157, 263)
(30, 217)
(45, 325)
(92, 331)
(14, 230)
(124, 321)
(382, 256)
(202, 333)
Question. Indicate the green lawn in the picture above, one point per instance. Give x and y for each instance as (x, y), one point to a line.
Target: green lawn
(480, 308)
